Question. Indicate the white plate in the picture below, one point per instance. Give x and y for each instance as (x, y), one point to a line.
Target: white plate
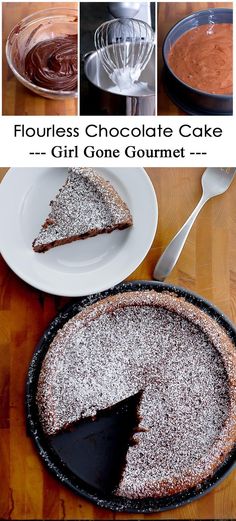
(82, 267)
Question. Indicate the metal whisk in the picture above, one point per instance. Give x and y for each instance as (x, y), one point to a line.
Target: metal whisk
(124, 46)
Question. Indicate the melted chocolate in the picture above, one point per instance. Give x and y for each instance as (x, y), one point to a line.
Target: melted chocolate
(52, 63)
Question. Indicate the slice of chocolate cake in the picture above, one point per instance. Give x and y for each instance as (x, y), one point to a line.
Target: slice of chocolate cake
(85, 206)
(179, 361)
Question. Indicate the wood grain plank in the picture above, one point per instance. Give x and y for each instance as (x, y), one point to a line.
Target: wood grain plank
(207, 266)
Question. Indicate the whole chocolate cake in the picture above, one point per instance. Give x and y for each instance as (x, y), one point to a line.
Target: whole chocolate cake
(86, 205)
(181, 362)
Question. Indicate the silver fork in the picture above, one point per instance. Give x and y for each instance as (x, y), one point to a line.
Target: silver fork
(215, 181)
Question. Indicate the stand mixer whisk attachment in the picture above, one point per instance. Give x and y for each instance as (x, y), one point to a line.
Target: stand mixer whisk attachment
(124, 46)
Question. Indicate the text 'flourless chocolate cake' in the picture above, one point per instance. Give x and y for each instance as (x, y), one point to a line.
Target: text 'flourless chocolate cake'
(178, 358)
(85, 206)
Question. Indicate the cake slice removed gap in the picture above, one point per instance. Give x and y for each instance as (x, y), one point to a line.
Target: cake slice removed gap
(96, 448)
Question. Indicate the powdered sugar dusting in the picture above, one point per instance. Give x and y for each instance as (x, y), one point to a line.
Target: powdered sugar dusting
(86, 203)
(177, 355)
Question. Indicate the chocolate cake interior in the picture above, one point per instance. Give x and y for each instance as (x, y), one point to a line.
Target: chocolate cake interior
(85, 206)
(95, 449)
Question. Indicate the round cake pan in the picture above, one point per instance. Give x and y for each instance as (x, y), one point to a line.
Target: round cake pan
(191, 100)
(81, 458)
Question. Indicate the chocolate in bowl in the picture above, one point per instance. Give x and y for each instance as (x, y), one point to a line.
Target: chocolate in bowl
(42, 52)
(52, 64)
(189, 93)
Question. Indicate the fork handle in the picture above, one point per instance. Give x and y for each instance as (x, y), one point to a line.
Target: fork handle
(171, 254)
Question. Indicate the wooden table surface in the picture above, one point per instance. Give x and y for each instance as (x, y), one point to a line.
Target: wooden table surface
(207, 266)
(169, 13)
(17, 99)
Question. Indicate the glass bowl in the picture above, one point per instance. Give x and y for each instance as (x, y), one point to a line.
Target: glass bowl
(39, 26)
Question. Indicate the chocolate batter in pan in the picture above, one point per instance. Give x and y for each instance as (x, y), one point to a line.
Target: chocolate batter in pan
(203, 58)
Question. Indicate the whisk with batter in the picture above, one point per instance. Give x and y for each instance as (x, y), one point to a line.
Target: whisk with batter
(124, 46)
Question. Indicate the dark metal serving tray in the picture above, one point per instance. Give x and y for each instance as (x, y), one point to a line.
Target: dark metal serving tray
(87, 457)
